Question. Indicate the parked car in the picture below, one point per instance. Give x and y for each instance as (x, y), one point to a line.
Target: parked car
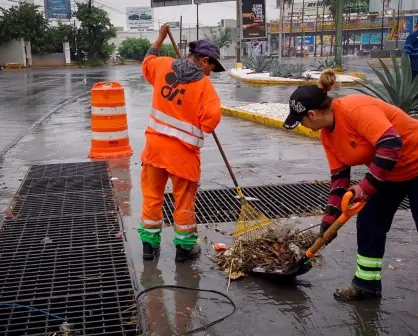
(144, 16)
(133, 17)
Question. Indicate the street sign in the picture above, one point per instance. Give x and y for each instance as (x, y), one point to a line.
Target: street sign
(58, 9)
(174, 24)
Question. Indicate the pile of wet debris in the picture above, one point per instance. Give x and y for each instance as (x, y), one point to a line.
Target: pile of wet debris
(273, 252)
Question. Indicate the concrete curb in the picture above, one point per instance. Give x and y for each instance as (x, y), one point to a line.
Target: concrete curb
(267, 121)
(283, 82)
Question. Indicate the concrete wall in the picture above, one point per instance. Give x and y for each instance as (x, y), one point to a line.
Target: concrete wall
(48, 60)
(13, 52)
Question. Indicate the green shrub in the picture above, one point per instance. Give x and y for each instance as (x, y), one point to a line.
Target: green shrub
(257, 63)
(287, 70)
(326, 64)
(134, 48)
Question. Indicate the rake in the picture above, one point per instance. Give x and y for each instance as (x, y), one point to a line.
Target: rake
(251, 223)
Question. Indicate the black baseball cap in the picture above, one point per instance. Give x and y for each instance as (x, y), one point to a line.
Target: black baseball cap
(305, 98)
(208, 49)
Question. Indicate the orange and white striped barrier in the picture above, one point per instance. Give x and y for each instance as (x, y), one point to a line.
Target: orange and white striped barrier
(109, 122)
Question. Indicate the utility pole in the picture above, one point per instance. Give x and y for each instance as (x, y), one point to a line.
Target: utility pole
(383, 18)
(316, 27)
(238, 32)
(281, 3)
(197, 20)
(181, 35)
(339, 33)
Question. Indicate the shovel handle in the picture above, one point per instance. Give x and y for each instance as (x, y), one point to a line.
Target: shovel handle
(348, 212)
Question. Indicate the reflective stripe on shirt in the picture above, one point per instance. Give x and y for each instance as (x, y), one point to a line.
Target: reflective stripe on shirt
(190, 139)
(181, 127)
(184, 126)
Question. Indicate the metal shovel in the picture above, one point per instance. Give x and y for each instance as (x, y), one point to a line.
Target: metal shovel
(304, 266)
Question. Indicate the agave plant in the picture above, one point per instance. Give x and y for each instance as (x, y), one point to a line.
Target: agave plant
(286, 70)
(257, 63)
(326, 64)
(397, 87)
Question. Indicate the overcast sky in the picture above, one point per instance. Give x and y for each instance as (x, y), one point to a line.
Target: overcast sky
(209, 14)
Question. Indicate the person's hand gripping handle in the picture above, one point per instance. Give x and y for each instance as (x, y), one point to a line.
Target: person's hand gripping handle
(348, 211)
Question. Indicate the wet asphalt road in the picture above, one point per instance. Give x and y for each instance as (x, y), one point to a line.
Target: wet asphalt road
(260, 156)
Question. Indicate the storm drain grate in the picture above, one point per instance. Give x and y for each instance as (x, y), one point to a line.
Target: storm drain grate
(57, 185)
(67, 169)
(284, 200)
(62, 251)
(92, 314)
(64, 204)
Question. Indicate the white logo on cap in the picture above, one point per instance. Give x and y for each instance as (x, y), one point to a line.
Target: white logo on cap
(298, 107)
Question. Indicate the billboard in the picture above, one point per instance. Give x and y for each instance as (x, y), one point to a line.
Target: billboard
(58, 9)
(166, 3)
(309, 8)
(139, 17)
(404, 5)
(253, 20)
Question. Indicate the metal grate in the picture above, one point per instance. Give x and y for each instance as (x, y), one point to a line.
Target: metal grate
(65, 204)
(284, 200)
(62, 251)
(57, 185)
(69, 169)
(91, 314)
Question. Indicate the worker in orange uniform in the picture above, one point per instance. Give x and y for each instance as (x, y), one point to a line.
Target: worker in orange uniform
(357, 130)
(185, 109)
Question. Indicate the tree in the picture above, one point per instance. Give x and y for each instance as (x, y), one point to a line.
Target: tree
(22, 22)
(134, 48)
(94, 33)
(221, 36)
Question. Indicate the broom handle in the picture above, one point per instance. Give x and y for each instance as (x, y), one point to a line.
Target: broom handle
(226, 161)
(173, 42)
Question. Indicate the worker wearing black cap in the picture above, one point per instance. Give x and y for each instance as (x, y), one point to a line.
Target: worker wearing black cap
(362, 130)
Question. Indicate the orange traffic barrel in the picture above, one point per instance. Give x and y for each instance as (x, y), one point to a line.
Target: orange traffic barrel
(109, 122)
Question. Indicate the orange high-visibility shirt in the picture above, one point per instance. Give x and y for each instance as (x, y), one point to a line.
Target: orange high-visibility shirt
(359, 123)
(181, 116)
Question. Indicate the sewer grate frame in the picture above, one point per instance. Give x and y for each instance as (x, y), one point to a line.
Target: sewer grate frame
(284, 200)
(67, 264)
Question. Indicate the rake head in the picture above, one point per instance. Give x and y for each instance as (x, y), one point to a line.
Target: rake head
(252, 224)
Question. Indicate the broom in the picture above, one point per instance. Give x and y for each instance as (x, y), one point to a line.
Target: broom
(251, 223)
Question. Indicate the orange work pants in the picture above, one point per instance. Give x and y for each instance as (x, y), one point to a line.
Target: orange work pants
(153, 184)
